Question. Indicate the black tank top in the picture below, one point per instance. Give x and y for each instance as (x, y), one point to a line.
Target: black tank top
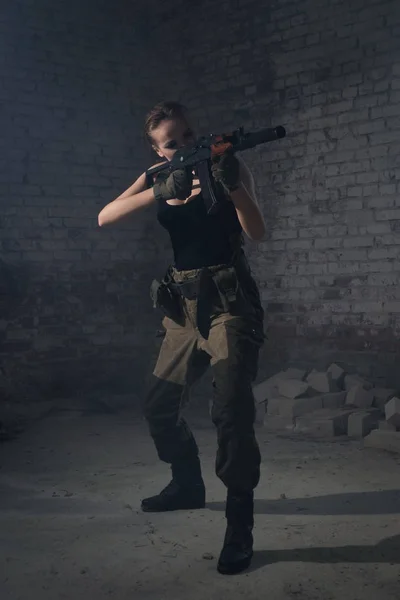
(198, 239)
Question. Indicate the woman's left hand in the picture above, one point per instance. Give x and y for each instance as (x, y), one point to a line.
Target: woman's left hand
(226, 171)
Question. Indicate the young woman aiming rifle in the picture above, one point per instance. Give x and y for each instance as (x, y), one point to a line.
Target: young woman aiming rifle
(213, 318)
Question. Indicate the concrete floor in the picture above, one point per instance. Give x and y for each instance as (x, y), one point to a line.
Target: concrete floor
(327, 518)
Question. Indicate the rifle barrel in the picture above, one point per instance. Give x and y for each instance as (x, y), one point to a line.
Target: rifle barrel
(261, 137)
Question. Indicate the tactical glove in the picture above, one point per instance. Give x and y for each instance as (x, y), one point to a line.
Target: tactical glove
(177, 185)
(225, 170)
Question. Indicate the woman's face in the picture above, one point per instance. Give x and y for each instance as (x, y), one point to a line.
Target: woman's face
(171, 135)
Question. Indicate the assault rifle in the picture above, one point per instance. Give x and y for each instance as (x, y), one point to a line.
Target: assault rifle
(200, 153)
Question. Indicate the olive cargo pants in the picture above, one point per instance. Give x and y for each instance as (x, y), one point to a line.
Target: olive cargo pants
(231, 350)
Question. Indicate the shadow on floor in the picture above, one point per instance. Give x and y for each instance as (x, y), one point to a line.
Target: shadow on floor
(386, 551)
(385, 502)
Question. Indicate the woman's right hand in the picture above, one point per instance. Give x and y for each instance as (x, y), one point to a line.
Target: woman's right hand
(177, 185)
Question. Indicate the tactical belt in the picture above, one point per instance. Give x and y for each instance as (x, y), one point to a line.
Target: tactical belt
(187, 289)
(205, 286)
(223, 280)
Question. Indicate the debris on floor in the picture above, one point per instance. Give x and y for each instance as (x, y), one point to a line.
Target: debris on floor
(330, 403)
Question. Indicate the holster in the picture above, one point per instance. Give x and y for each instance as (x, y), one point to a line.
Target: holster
(227, 284)
(216, 291)
(166, 299)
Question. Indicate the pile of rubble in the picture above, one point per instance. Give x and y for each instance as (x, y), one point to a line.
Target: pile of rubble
(330, 403)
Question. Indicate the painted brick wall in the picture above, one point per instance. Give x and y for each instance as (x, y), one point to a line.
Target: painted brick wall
(329, 71)
(76, 79)
(75, 308)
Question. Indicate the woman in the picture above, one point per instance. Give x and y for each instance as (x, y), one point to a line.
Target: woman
(213, 317)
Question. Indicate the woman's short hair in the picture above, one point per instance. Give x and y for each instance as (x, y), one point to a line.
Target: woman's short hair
(162, 112)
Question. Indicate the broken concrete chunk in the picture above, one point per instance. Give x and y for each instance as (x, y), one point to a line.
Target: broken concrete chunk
(293, 407)
(273, 406)
(293, 373)
(264, 390)
(337, 373)
(278, 377)
(322, 382)
(323, 423)
(381, 396)
(383, 440)
(384, 393)
(392, 412)
(361, 423)
(385, 426)
(359, 396)
(292, 388)
(352, 380)
(334, 400)
(269, 387)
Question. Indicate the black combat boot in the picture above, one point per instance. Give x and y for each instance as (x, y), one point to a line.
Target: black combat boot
(237, 550)
(186, 490)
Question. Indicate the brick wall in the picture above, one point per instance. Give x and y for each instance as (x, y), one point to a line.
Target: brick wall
(75, 305)
(76, 80)
(329, 71)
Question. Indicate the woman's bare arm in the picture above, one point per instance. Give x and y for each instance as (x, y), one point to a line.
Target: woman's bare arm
(245, 201)
(133, 199)
(136, 197)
